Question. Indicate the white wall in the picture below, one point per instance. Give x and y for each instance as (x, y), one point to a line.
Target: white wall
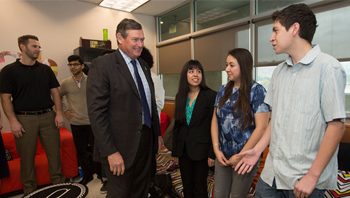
(59, 25)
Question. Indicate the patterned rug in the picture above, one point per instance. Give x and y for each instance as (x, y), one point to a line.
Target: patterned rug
(165, 164)
(64, 190)
(343, 186)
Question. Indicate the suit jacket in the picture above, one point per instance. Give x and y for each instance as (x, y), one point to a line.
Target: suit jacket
(115, 109)
(197, 135)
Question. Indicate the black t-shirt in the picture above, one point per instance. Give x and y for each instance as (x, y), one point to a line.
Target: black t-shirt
(29, 85)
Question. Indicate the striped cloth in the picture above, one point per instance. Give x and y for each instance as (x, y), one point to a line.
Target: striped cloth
(343, 186)
(165, 161)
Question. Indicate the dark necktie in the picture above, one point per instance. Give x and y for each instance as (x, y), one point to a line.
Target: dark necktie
(145, 108)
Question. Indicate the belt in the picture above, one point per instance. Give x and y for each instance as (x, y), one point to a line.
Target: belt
(34, 112)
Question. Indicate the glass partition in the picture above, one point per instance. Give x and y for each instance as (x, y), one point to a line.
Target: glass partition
(267, 5)
(213, 13)
(175, 23)
(263, 75)
(332, 34)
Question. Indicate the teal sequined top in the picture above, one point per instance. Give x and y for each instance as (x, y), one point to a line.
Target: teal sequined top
(189, 110)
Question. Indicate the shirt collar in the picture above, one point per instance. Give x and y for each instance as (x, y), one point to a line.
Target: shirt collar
(126, 57)
(308, 58)
(19, 63)
(82, 77)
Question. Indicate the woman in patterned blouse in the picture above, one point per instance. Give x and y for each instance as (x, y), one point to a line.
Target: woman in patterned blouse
(194, 106)
(239, 120)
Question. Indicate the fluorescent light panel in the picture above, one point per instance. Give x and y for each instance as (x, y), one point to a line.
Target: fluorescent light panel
(124, 5)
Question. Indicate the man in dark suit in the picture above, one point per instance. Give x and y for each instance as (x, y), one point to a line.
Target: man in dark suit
(123, 114)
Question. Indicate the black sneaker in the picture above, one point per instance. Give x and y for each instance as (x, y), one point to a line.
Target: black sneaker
(86, 180)
(104, 187)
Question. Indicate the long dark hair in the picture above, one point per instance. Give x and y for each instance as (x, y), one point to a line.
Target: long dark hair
(181, 96)
(242, 105)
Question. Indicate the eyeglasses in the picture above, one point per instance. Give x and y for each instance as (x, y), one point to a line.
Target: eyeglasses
(74, 64)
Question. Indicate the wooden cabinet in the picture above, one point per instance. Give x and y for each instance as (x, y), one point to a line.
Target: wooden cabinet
(88, 54)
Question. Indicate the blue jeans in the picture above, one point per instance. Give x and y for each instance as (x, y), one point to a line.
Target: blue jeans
(263, 190)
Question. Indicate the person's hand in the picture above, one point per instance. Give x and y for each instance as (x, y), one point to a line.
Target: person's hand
(221, 158)
(17, 129)
(233, 161)
(211, 162)
(305, 186)
(70, 114)
(176, 160)
(250, 157)
(116, 164)
(59, 120)
(160, 143)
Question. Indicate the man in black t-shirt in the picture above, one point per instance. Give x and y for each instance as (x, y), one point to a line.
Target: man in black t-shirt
(33, 88)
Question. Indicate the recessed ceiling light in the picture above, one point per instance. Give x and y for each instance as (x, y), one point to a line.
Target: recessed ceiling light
(124, 5)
